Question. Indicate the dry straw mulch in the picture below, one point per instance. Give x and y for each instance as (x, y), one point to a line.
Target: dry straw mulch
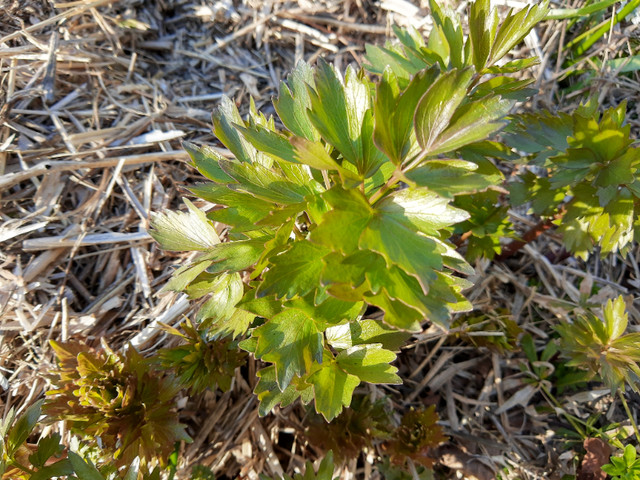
(95, 98)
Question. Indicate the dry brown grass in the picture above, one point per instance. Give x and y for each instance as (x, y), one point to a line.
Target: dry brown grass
(95, 98)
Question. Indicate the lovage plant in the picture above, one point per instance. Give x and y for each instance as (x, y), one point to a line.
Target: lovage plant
(348, 206)
(118, 398)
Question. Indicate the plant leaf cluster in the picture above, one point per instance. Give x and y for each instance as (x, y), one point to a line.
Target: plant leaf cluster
(601, 346)
(348, 207)
(118, 398)
(200, 363)
(416, 436)
(626, 467)
(591, 183)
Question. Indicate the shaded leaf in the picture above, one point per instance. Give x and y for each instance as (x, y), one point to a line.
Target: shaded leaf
(292, 342)
(333, 389)
(370, 363)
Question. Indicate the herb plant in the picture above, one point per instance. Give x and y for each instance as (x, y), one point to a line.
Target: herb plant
(348, 207)
(602, 347)
(200, 363)
(118, 398)
(626, 467)
(357, 198)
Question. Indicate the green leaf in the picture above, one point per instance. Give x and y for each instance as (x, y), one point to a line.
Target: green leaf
(207, 160)
(402, 246)
(394, 110)
(270, 395)
(365, 331)
(226, 291)
(224, 120)
(294, 272)
(392, 229)
(449, 177)
(331, 311)
(514, 28)
(55, 470)
(132, 472)
(438, 105)
(293, 102)
(379, 58)
(47, 447)
(269, 142)
(448, 27)
(23, 428)
(264, 183)
(339, 112)
(505, 87)
(420, 209)
(234, 256)
(84, 468)
(181, 278)
(333, 389)
(292, 342)
(341, 227)
(615, 318)
(629, 455)
(370, 363)
(183, 231)
(471, 123)
(220, 313)
(325, 469)
(315, 155)
(483, 22)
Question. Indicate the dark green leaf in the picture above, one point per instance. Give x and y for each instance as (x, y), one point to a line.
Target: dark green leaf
(224, 120)
(55, 470)
(514, 28)
(339, 112)
(472, 122)
(84, 468)
(293, 102)
(23, 428)
(393, 111)
(47, 447)
(483, 22)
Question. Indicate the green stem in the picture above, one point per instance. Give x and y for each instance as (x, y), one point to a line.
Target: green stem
(628, 410)
(575, 422)
(570, 418)
(392, 182)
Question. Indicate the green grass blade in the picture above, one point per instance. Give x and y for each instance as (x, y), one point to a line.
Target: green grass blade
(583, 42)
(564, 13)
